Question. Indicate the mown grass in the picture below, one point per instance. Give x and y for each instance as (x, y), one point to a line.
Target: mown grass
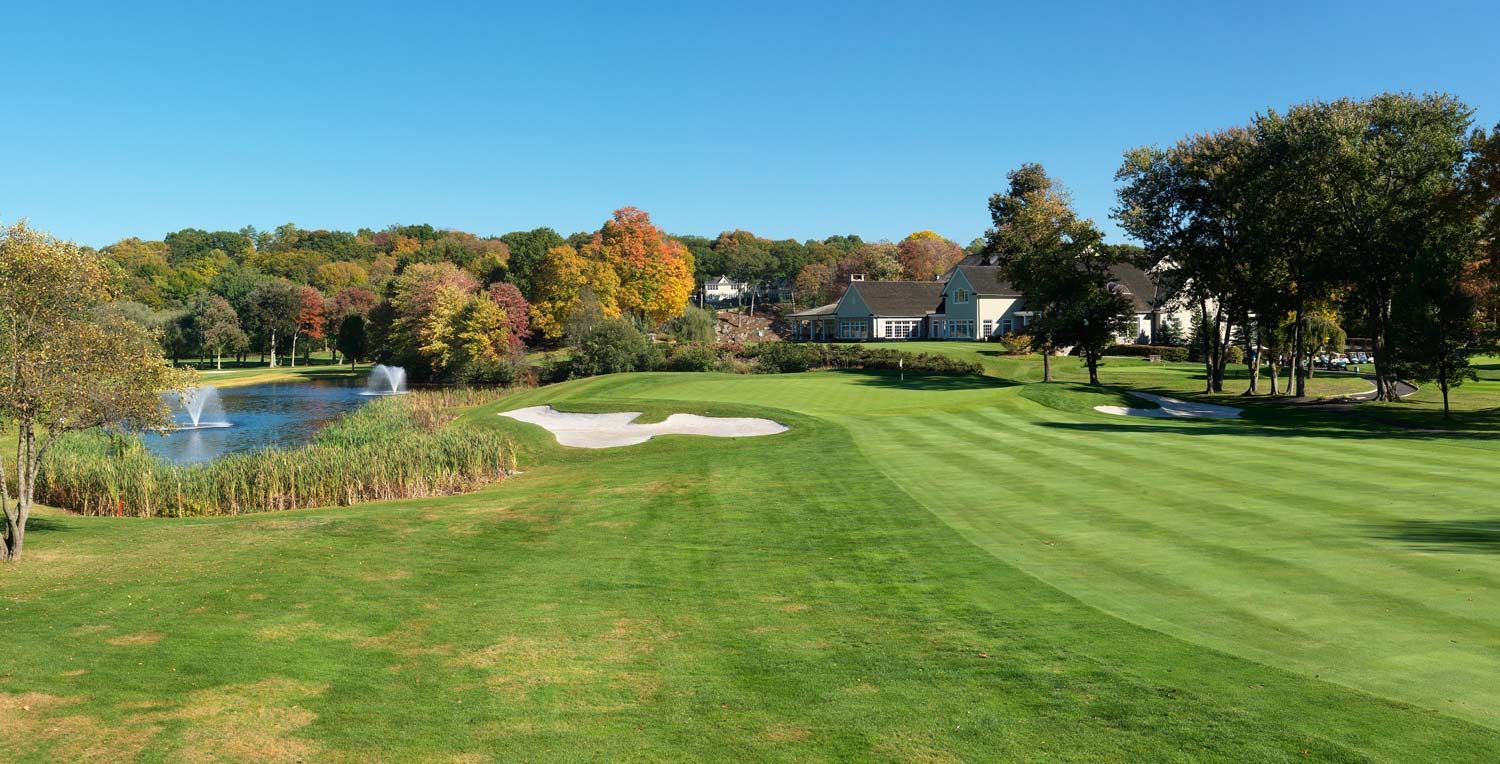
(395, 447)
(920, 569)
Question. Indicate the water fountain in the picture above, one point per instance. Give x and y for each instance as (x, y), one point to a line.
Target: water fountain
(386, 380)
(199, 400)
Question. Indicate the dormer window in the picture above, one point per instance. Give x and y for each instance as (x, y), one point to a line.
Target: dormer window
(961, 296)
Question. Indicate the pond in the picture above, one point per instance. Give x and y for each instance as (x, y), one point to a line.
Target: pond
(271, 414)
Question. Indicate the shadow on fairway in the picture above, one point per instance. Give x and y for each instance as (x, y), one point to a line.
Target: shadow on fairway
(42, 524)
(1262, 428)
(1466, 536)
(924, 382)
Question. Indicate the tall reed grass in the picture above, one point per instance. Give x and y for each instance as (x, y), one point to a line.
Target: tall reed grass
(398, 447)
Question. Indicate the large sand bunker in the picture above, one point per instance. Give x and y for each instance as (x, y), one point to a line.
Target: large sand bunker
(620, 429)
(1171, 408)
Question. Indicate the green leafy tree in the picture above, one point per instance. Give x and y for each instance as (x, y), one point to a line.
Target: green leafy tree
(352, 341)
(67, 367)
(527, 250)
(217, 327)
(611, 346)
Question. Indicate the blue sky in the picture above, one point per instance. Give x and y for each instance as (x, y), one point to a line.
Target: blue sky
(786, 119)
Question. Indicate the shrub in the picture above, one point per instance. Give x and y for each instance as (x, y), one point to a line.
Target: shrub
(691, 358)
(783, 357)
(399, 447)
(786, 357)
(1167, 352)
(694, 325)
(1017, 344)
(609, 347)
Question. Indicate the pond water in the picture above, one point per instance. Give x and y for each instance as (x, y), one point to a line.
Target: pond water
(272, 414)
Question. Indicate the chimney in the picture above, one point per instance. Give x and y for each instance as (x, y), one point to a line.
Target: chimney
(856, 277)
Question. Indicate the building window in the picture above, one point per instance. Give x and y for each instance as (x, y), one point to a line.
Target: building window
(1007, 326)
(961, 329)
(1026, 320)
(902, 330)
(961, 296)
(853, 330)
(989, 328)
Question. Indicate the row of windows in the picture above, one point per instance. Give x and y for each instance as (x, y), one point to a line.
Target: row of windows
(901, 330)
(853, 330)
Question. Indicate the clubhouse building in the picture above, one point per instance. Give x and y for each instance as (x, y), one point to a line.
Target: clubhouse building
(973, 302)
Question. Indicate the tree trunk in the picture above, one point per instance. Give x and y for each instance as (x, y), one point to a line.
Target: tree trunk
(1299, 338)
(1047, 362)
(218, 361)
(1252, 358)
(294, 350)
(1443, 383)
(1092, 359)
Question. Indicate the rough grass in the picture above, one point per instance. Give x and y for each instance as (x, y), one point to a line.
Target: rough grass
(918, 570)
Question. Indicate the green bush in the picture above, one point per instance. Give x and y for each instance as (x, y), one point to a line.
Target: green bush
(787, 357)
(694, 325)
(612, 346)
(691, 358)
(783, 357)
(1167, 352)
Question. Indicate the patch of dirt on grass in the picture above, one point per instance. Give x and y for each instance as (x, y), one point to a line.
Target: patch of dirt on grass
(395, 574)
(286, 631)
(139, 638)
(249, 723)
(904, 747)
(29, 723)
(74, 672)
(256, 597)
(787, 733)
(408, 639)
(91, 629)
(796, 607)
(863, 688)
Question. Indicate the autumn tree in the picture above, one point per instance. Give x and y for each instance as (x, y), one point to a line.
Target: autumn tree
(561, 283)
(655, 273)
(926, 256)
(517, 312)
(310, 318)
(66, 366)
(527, 251)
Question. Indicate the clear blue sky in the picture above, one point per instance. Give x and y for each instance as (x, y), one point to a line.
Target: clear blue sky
(788, 120)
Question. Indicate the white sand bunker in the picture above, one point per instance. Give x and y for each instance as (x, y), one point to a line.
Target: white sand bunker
(1171, 408)
(620, 429)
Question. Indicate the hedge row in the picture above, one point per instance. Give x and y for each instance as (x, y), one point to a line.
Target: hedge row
(1167, 352)
(787, 357)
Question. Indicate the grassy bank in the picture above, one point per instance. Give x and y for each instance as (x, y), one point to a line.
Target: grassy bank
(395, 447)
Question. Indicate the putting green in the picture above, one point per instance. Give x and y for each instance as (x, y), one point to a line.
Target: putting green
(927, 569)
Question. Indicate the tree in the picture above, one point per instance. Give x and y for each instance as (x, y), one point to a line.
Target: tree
(1188, 206)
(427, 300)
(613, 346)
(273, 312)
(352, 340)
(1170, 333)
(217, 327)
(655, 273)
(527, 251)
(1387, 168)
(694, 325)
(517, 312)
(66, 367)
(561, 282)
(926, 256)
(310, 312)
(816, 281)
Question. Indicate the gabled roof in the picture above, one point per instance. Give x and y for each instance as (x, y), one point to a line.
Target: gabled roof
(1138, 284)
(988, 280)
(899, 298)
(821, 310)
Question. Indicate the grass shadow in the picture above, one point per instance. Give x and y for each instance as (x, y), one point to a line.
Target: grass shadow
(1463, 536)
(922, 381)
(44, 524)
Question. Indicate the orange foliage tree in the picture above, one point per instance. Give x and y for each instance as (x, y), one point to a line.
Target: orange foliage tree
(655, 273)
(926, 255)
(562, 279)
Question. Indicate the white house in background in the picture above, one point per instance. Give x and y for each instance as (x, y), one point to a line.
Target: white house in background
(722, 289)
(973, 302)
